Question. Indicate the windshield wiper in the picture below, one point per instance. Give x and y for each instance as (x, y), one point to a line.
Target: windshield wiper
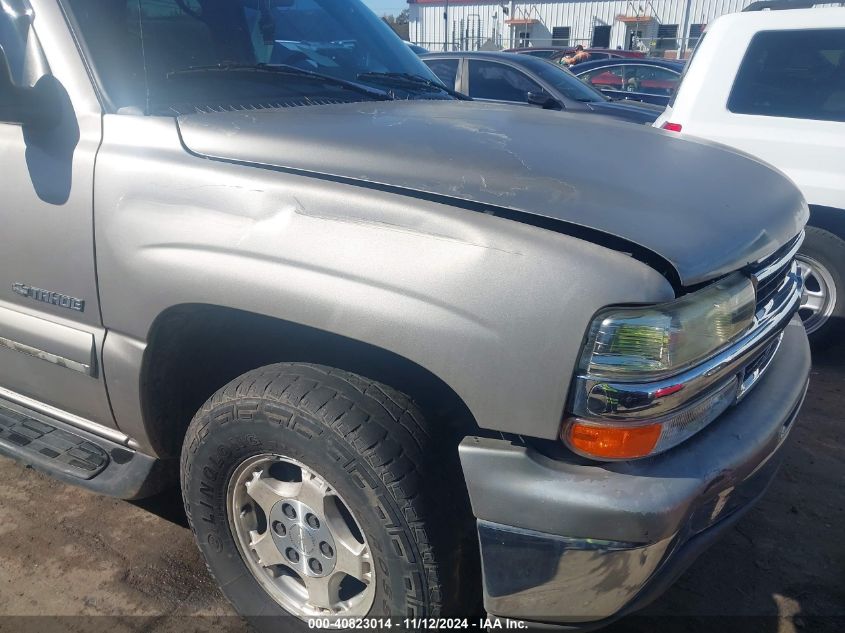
(408, 81)
(284, 70)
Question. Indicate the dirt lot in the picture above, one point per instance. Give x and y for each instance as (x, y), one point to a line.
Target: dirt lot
(65, 552)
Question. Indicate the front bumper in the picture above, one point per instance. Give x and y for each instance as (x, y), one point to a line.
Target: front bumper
(581, 543)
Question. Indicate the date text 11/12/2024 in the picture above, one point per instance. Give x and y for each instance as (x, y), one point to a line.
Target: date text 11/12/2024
(414, 624)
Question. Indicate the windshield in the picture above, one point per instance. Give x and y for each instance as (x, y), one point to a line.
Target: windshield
(140, 50)
(565, 82)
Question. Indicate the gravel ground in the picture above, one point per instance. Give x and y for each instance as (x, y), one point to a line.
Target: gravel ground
(66, 552)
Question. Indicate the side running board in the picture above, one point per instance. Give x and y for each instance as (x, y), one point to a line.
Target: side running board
(50, 446)
(78, 457)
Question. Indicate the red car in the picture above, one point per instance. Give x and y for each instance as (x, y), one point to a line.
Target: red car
(645, 79)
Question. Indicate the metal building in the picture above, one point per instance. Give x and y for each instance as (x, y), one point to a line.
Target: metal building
(665, 28)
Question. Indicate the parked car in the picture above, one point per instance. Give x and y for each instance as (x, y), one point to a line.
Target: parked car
(529, 81)
(650, 80)
(772, 83)
(368, 365)
(555, 53)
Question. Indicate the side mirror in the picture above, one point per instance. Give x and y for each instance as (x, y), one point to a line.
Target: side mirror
(30, 106)
(544, 100)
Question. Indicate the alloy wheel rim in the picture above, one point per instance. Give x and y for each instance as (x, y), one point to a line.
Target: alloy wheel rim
(300, 539)
(819, 297)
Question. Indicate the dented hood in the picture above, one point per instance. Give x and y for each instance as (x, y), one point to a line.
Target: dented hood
(706, 209)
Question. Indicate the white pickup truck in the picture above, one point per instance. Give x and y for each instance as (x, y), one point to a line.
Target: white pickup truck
(772, 83)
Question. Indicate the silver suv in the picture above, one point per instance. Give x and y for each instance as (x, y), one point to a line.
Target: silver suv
(399, 349)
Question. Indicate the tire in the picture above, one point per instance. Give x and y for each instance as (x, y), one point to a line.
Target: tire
(370, 445)
(822, 259)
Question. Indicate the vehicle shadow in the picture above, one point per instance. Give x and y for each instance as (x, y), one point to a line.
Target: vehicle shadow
(831, 355)
(166, 505)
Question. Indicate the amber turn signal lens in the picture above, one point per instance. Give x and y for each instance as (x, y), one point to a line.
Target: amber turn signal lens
(613, 442)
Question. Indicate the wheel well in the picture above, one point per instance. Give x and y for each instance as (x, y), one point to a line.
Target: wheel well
(193, 350)
(830, 219)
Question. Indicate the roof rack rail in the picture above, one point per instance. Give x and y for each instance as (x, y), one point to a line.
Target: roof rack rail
(779, 5)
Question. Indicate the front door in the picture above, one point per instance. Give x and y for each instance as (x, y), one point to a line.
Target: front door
(50, 326)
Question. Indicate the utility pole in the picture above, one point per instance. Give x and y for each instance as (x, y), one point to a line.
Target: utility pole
(446, 27)
(685, 31)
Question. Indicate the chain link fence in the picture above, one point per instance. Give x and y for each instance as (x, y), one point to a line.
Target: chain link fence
(665, 47)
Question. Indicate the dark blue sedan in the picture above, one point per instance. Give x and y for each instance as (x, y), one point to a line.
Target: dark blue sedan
(530, 81)
(648, 79)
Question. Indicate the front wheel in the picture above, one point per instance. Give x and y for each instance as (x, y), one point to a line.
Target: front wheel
(822, 265)
(316, 493)
(299, 538)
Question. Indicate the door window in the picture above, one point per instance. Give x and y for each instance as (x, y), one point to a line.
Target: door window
(696, 31)
(498, 82)
(560, 36)
(605, 78)
(601, 36)
(667, 37)
(13, 33)
(650, 80)
(797, 74)
(445, 69)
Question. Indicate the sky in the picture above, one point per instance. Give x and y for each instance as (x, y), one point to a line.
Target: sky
(382, 7)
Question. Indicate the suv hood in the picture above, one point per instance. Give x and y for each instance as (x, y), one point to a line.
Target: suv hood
(706, 209)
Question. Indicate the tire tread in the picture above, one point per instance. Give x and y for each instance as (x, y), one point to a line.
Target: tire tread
(381, 424)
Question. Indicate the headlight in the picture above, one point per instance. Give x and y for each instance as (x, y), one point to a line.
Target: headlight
(631, 398)
(646, 343)
(632, 440)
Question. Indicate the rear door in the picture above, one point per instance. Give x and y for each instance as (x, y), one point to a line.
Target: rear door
(650, 84)
(784, 102)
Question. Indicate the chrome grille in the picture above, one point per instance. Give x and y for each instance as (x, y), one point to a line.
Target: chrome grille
(773, 272)
(758, 366)
(775, 279)
(768, 288)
